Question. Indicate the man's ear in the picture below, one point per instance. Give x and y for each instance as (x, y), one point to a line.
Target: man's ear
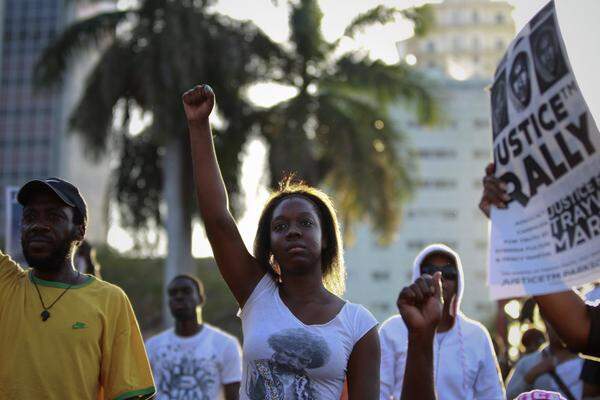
(79, 233)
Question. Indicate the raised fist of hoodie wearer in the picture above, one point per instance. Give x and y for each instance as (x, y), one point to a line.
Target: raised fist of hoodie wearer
(465, 366)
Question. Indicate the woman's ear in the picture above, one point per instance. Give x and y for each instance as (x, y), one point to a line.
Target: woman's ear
(275, 267)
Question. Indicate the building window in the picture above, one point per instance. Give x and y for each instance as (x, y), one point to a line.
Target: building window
(436, 213)
(481, 244)
(481, 123)
(476, 44)
(500, 18)
(430, 47)
(482, 154)
(437, 183)
(500, 44)
(456, 17)
(380, 307)
(475, 17)
(379, 276)
(439, 153)
(418, 245)
(451, 124)
(457, 43)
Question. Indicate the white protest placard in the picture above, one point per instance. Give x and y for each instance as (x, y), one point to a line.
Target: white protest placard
(547, 150)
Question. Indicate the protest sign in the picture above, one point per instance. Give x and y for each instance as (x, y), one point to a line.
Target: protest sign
(12, 228)
(547, 150)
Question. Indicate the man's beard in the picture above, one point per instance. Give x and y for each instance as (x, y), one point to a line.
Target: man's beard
(63, 251)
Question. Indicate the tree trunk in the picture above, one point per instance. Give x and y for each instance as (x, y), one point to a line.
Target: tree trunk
(178, 220)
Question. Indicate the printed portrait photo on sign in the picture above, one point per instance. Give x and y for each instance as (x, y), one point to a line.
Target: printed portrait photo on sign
(548, 59)
(499, 105)
(543, 13)
(520, 81)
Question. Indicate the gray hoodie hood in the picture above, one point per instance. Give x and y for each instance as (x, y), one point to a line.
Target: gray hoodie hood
(443, 249)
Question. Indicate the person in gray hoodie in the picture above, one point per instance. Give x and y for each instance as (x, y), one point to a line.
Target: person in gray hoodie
(465, 366)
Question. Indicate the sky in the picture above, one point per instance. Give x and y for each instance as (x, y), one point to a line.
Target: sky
(578, 20)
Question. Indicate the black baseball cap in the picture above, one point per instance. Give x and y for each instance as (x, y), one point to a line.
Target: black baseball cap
(66, 191)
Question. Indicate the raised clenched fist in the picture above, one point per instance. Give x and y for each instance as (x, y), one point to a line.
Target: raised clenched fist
(198, 103)
(420, 304)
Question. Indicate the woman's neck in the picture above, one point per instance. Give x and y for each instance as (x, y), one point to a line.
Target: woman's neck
(303, 288)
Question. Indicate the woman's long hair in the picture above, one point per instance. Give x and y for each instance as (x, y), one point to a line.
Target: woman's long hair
(332, 259)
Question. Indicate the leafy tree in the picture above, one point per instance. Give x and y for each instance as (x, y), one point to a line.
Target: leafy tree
(338, 123)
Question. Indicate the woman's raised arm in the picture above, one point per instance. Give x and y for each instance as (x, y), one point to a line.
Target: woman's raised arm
(240, 270)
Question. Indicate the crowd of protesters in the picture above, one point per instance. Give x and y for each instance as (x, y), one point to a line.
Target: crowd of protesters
(67, 334)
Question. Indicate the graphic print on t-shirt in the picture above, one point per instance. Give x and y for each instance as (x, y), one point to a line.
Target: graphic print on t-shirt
(284, 376)
(187, 377)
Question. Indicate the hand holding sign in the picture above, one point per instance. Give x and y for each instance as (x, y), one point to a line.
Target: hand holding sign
(494, 191)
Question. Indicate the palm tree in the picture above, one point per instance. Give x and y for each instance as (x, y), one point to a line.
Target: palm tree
(149, 55)
(339, 123)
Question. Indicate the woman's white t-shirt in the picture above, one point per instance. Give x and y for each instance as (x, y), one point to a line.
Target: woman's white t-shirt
(285, 359)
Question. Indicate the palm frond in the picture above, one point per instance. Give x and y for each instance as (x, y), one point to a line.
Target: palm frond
(379, 14)
(137, 182)
(422, 18)
(287, 128)
(306, 35)
(107, 83)
(81, 35)
(386, 83)
(366, 168)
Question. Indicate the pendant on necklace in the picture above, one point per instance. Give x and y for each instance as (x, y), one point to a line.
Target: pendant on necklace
(45, 315)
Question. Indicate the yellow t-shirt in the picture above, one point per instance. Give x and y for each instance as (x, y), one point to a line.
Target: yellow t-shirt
(89, 348)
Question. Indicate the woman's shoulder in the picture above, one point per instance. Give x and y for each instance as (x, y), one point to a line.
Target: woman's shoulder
(356, 310)
(359, 319)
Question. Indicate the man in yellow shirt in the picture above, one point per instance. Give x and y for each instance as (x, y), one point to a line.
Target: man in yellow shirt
(63, 334)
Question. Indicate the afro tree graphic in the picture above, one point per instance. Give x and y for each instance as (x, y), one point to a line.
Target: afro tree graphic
(284, 376)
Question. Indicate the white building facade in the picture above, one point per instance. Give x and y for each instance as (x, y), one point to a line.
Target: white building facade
(459, 54)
